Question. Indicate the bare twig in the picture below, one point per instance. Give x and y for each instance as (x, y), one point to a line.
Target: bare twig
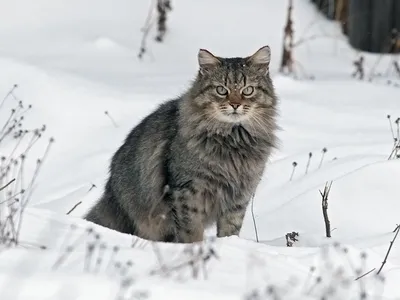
(73, 208)
(390, 248)
(5, 186)
(324, 196)
(365, 274)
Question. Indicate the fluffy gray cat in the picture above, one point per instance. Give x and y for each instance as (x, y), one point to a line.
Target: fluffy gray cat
(197, 159)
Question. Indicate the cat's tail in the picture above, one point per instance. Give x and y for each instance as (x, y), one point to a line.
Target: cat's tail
(108, 212)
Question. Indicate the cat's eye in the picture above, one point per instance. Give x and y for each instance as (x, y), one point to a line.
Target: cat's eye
(221, 90)
(248, 91)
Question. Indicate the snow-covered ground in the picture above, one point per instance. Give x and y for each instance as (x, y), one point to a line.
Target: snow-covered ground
(74, 60)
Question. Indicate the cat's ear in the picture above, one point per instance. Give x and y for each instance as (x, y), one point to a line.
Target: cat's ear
(261, 59)
(207, 61)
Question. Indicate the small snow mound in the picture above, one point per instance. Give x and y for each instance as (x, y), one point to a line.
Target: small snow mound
(105, 43)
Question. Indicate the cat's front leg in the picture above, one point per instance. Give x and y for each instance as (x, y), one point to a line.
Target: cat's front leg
(230, 222)
(188, 216)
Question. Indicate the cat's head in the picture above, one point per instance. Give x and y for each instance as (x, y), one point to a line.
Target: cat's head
(234, 90)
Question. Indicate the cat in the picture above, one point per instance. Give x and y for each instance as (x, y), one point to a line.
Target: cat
(197, 159)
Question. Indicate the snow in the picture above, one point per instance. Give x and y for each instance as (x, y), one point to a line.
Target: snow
(75, 60)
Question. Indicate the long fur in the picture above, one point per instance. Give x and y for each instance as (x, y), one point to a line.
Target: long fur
(194, 161)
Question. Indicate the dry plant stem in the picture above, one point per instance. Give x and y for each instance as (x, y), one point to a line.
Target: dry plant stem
(146, 29)
(391, 128)
(199, 257)
(386, 49)
(10, 92)
(90, 247)
(163, 6)
(324, 150)
(394, 150)
(253, 217)
(149, 17)
(92, 187)
(62, 258)
(159, 257)
(324, 196)
(27, 196)
(291, 175)
(112, 120)
(294, 165)
(7, 122)
(390, 248)
(365, 274)
(308, 162)
(73, 208)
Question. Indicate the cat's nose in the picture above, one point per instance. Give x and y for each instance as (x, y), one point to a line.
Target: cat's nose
(235, 105)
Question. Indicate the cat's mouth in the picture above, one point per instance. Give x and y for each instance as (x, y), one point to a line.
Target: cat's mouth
(232, 116)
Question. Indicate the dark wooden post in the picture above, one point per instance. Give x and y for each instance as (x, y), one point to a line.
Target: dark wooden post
(359, 25)
(381, 25)
(396, 15)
